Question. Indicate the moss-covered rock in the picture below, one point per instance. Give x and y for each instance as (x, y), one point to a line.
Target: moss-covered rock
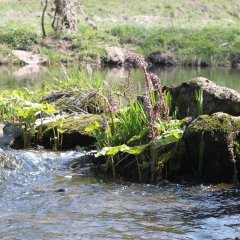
(75, 101)
(73, 129)
(209, 140)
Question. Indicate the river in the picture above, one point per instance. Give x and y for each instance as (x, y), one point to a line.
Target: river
(41, 198)
(45, 200)
(33, 76)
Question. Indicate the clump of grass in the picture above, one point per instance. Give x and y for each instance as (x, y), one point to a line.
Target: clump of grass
(199, 101)
(81, 80)
(143, 130)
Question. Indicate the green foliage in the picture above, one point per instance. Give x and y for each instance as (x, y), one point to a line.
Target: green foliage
(76, 80)
(171, 131)
(91, 43)
(172, 106)
(18, 38)
(131, 136)
(16, 108)
(199, 100)
(58, 131)
(211, 44)
(131, 126)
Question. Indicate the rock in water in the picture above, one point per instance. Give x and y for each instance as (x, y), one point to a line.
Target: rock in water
(29, 57)
(215, 98)
(8, 135)
(74, 133)
(29, 70)
(208, 150)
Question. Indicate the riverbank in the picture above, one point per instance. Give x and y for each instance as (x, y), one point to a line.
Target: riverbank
(162, 33)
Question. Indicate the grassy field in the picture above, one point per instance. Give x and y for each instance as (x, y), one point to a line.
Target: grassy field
(188, 29)
(165, 13)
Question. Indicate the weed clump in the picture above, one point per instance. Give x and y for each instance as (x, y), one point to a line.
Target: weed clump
(141, 131)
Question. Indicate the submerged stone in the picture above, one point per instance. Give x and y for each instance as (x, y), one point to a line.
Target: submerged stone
(9, 161)
(212, 148)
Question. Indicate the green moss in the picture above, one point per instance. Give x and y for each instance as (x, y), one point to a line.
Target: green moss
(218, 126)
(75, 124)
(80, 123)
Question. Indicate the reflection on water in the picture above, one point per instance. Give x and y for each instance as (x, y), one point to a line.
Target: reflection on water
(25, 77)
(29, 76)
(92, 208)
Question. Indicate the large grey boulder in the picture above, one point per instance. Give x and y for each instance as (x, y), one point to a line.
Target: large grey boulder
(215, 98)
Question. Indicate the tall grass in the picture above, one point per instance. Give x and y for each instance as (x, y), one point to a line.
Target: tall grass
(83, 80)
(142, 129)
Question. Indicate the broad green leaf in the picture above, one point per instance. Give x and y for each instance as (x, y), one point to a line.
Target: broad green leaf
(167, 139)
(32, 131)
(136, 150)
(176, 134)
(111, 151)
(50, 109)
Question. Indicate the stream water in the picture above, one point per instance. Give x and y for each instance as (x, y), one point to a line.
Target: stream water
(41, 198)
(45, 200)
(33, 76)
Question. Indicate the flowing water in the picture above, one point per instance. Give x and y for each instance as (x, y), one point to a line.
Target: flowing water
(45, 200)
(41, 198)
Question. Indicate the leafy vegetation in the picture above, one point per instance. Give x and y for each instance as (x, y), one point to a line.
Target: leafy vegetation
(143, 130)
(16, 108)
(18, 38)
